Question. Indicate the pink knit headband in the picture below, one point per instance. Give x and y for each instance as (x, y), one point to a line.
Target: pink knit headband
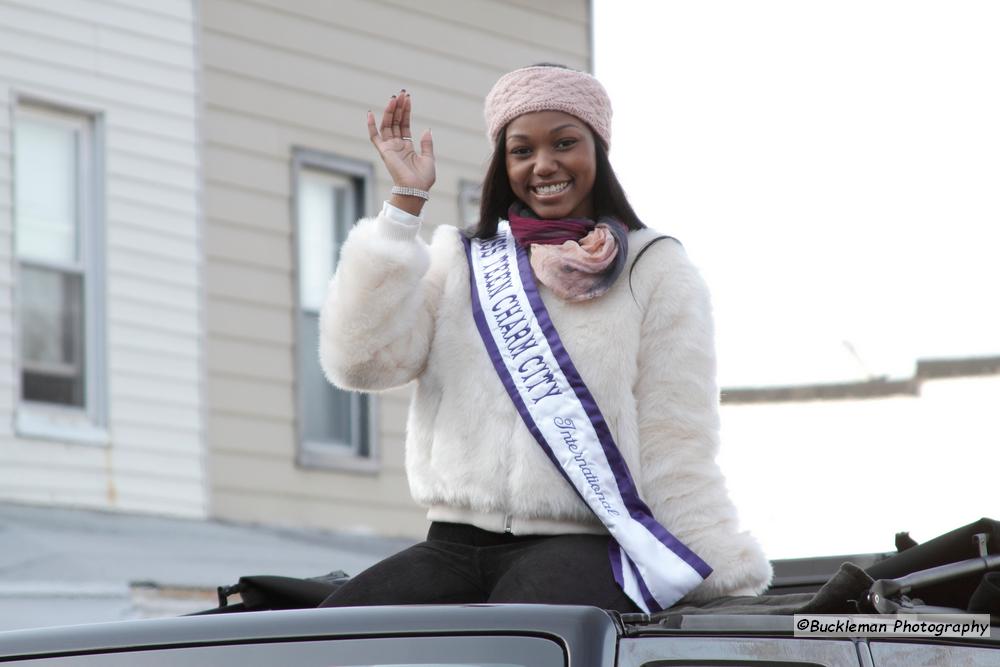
(544, 88)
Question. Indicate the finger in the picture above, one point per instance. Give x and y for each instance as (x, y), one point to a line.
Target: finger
(427, 144)
(372, 130)
(404, 123)
(397, 114)
(386, 127)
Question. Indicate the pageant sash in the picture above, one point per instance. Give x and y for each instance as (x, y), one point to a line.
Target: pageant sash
(652, 566)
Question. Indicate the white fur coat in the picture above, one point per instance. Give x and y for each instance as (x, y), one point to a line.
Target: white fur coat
(399, 310)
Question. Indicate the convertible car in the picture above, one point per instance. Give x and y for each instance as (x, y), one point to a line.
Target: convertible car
(953, 574)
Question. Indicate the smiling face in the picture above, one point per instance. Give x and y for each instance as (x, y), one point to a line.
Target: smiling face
(551, 164)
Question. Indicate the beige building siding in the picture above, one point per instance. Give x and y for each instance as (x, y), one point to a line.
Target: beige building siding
(134, 66)
(282, 74)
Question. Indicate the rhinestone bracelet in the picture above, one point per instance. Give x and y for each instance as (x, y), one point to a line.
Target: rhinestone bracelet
(413, 192)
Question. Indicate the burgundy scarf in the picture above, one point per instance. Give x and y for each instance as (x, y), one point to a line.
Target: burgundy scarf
(577, 258)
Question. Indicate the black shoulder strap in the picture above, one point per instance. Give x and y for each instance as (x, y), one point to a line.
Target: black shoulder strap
(641, 253)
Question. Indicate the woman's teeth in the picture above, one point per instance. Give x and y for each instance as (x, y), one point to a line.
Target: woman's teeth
(551, 189)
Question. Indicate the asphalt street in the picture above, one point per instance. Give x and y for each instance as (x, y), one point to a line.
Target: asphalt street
(60, 566)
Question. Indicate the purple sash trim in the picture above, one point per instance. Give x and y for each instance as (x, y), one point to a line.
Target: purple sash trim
(508, 382)
(626, 484)
(651, 602)
(637, 510)
(615, 555)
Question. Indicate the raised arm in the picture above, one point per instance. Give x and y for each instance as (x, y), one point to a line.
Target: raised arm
(377, 322)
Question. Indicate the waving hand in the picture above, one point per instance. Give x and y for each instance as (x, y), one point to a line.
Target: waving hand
(394, 143)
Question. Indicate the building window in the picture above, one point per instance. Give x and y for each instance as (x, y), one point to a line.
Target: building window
(58, 247)
(336, 427)
(469, 199)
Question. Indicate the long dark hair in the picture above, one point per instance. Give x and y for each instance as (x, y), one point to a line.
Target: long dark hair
(497, 195)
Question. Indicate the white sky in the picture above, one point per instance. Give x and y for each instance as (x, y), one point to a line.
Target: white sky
(834, 169)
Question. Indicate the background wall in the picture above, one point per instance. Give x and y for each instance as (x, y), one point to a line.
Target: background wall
(279, 75)
(133, 67)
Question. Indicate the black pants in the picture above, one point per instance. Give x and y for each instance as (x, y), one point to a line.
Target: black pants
(463, 564)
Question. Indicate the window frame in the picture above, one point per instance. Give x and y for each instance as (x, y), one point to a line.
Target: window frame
(748, 649)
(402, 649)
(469, 191)
(37, 419)
(313, 454)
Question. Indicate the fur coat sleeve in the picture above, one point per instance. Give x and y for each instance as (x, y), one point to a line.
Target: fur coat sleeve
(377, 322)
(678, 410)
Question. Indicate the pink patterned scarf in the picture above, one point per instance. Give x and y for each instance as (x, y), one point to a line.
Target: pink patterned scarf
(577, 258)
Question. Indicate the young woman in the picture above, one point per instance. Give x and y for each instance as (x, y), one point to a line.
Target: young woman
(564, 427)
